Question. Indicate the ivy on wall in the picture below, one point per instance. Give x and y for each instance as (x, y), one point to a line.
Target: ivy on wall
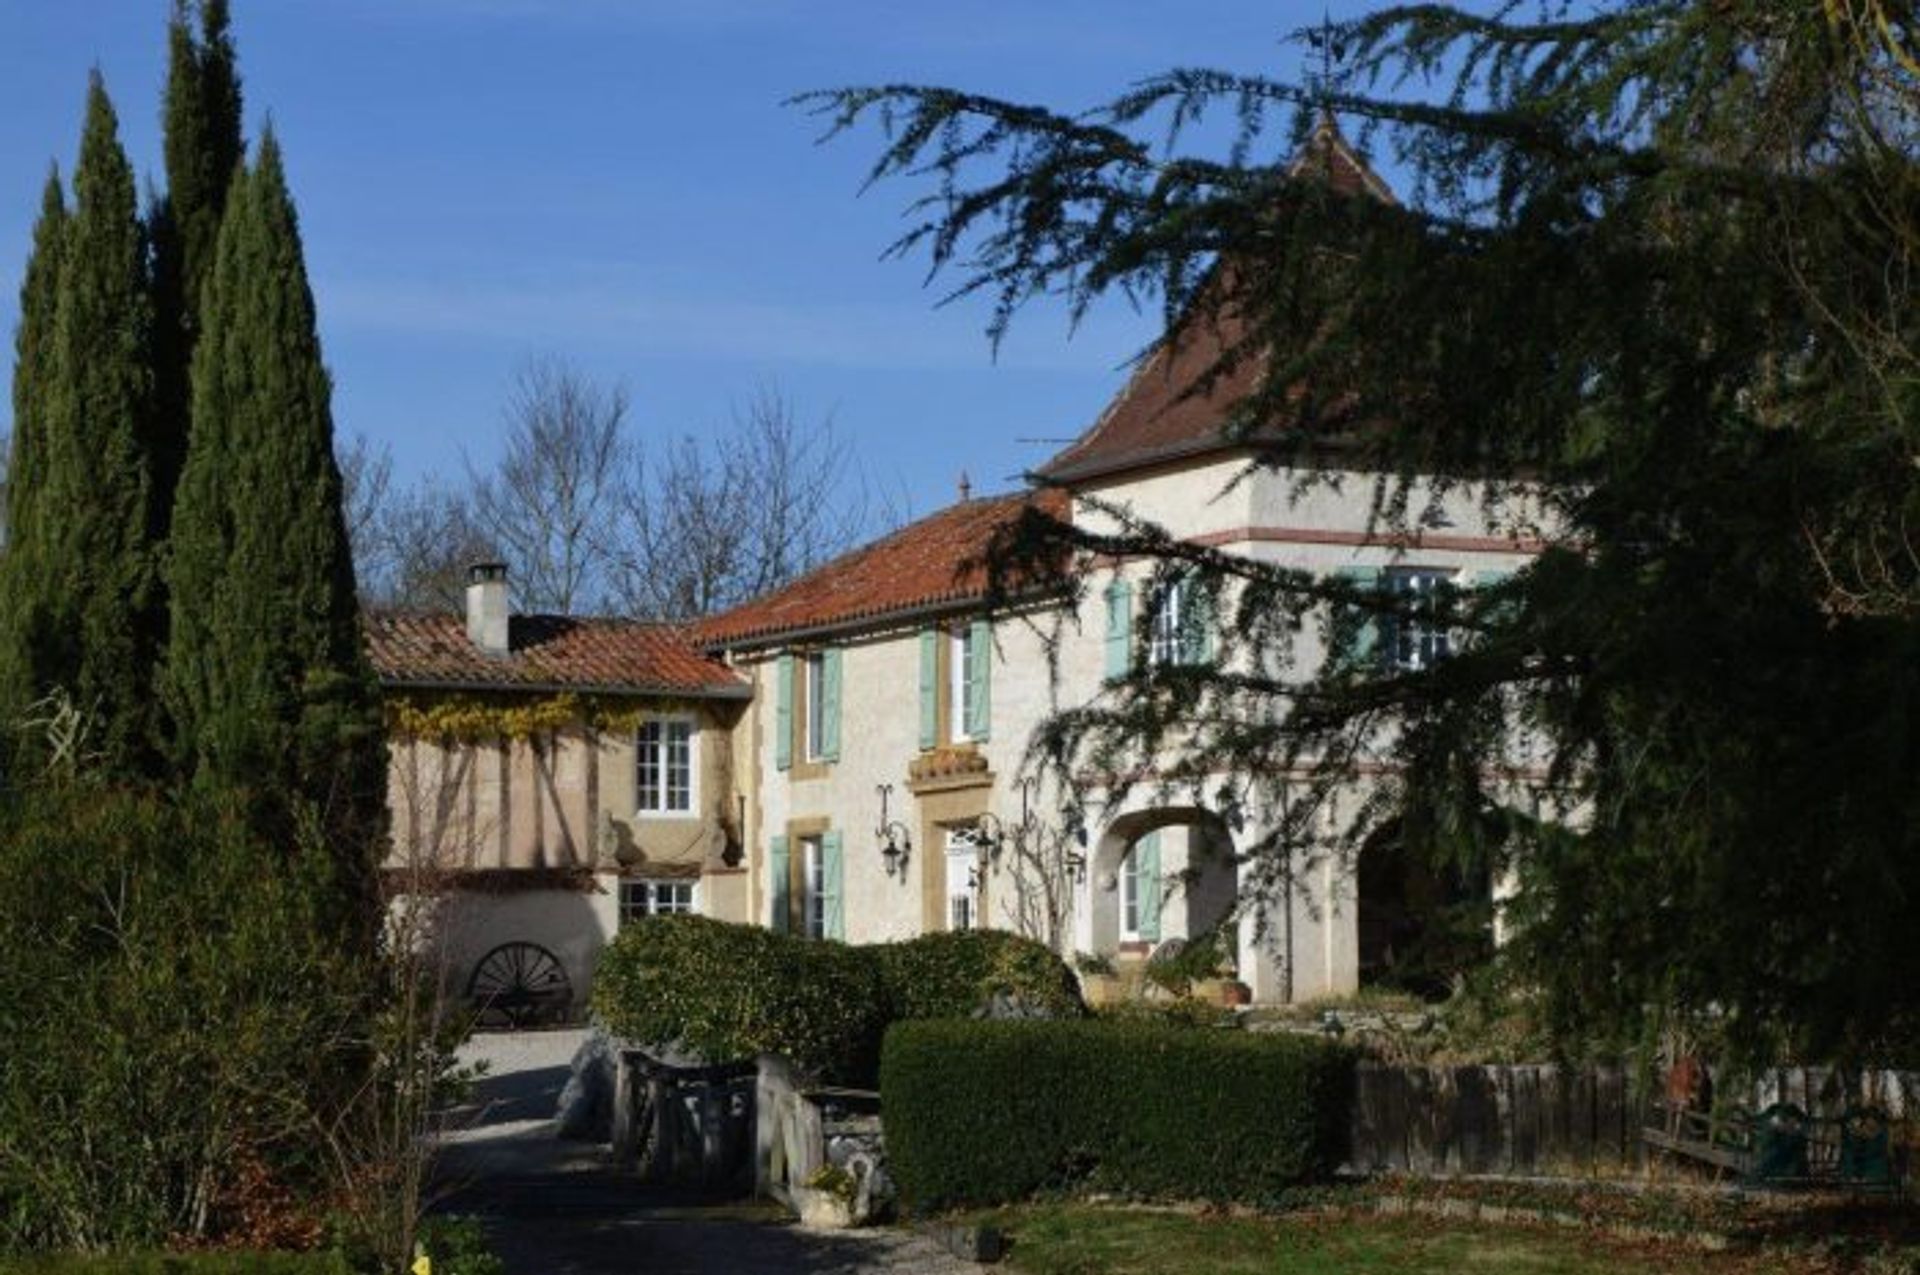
(470, 717)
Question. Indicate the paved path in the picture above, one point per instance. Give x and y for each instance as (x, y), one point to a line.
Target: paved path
(553, 1208)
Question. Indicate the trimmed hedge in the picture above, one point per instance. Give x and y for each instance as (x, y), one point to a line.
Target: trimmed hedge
(729, 991)
(733, 991)
(989, 1113)
(951, 975)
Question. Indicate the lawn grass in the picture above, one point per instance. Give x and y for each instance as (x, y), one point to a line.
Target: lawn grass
(1071, 1239)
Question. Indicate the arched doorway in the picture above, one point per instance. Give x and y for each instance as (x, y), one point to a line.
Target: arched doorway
(1421, 925)
(1160, 874)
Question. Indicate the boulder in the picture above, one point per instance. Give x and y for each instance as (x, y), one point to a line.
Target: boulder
(585, 1109)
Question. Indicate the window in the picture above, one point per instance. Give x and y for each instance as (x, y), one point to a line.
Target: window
(816, 702)
(1412, 643)
(1130, 896)
(961, 667)
(1140, 890)
(1166, 646)
(963, 879)
(1182, 623)
(813, 886)
(664, 762)
(654, 898)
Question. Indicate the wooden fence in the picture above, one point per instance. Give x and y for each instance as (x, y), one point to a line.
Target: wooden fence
(1540, 1120)
(686, 1127)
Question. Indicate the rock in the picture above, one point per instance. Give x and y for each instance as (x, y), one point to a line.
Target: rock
(585, 1110)
(1006, 1005)
(874, 1191)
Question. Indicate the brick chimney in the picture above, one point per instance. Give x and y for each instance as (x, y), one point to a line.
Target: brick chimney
(487, 607)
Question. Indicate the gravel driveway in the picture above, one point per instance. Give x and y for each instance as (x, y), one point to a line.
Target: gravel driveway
(555, 1208)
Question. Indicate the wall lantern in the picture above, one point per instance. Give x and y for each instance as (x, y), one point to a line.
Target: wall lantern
(1073, 858)
(896, 843)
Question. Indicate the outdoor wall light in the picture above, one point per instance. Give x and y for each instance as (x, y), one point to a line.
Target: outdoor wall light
(1076, 865)
(988, 836)
(896, 843)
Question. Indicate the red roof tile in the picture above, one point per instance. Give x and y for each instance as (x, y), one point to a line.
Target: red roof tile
(1161, 414)
(547, 652)
(924, 564)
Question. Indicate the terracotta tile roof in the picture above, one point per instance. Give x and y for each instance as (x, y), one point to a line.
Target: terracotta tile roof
(922, 565)
(1159, 415)
(548, 652)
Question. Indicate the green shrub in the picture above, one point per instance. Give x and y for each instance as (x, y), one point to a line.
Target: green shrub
(733, 991)
(182, 1264)
(950, 975)
(988, 1113)
(177, 1023)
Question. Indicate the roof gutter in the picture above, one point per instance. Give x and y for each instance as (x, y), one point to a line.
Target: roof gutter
(880, 619)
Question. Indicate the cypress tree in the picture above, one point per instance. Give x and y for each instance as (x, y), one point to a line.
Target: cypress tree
(269, 686)
(32, 372)
(83, 600)
(202, 124)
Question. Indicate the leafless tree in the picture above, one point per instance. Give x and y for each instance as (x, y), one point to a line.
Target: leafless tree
(707, 525)
(546, 505)
(366, 475)
(1038, 873)
(429, 536)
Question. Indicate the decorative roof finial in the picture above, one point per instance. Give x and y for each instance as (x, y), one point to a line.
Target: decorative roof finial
(1330, 51)
(966, 488)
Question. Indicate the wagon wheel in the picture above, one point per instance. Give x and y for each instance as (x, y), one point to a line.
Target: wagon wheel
(521, 983)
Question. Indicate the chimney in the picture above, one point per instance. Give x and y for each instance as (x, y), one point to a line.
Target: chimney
(487, 607)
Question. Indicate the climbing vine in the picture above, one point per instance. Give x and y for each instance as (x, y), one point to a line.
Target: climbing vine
(468, 717)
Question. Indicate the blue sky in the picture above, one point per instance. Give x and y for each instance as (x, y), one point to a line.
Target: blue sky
(617, 182)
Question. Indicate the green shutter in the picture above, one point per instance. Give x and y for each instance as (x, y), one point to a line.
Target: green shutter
(783, 713)
(1357, 632)
(1147, 864)
(829, 708)
(929, 688)
(833, 886)
(1119, 628)
(980, 685)
(779, 917)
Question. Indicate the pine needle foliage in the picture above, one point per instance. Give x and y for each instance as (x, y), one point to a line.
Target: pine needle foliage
(201, 119)
(1654, 275)
(83, 600)
(265, 676)
(21, 627)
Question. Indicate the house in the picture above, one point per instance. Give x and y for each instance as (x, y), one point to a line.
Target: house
(549, 777)
(881, 752)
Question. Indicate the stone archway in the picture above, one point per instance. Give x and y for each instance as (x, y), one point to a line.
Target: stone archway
(1196, 877)
(1420, 926)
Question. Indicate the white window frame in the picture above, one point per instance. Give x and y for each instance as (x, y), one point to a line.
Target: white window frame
(661, 761)
(1411, 646)
(1164, 645)
(813, 730)
(641, 897)
(959, 664)
(813, 898)
(1130, 900)
(963, 878)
